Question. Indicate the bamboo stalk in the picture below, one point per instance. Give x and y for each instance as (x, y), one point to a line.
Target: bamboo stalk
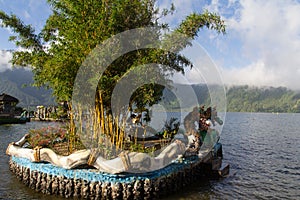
(123, 132)
(111, 133)
(117, 131)
(122, 139)
(72, 130)
(102, 112)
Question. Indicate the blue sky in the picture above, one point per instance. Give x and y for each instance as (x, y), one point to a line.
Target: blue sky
(261, 47)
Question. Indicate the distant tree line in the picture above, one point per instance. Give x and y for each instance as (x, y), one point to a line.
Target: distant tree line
(242, 98)
(262, 99)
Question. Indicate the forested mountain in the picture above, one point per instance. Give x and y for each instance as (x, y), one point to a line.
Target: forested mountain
(244, 98)
(266, 99)
(17, 83)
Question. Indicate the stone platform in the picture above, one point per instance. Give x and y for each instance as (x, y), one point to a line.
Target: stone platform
(92, 184)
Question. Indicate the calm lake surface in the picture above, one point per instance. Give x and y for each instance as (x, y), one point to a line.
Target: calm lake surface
(263, 151)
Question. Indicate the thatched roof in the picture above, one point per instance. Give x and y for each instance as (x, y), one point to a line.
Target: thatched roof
(7, 98)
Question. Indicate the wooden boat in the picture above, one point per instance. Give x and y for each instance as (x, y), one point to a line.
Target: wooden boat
(13, 120)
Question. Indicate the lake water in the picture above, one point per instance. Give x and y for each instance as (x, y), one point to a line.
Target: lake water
(263, 151)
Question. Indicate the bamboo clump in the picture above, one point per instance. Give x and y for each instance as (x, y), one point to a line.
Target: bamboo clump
(102, 129)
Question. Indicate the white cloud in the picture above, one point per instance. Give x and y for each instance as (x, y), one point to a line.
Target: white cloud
(5, 57)
(256, 73)
(262, 44)
(269, 31)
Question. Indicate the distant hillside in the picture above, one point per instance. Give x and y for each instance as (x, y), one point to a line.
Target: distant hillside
(243, 98)
(17, 83)
(267, 99)
(190, 96)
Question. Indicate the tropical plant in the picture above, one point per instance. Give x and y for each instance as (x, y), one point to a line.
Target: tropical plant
(76, 27)
(171, 128)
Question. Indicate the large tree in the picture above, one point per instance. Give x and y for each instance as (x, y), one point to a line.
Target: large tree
(76, 27)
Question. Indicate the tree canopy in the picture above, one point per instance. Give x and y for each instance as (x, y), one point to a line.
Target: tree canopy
(76, 27)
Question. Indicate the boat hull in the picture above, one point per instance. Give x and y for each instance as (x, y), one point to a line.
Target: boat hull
(13, 120)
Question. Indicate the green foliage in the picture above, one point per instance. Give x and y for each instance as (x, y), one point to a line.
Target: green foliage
(61, 113)
(194, 22)
(170, 129)
(136, 147)
(270, 99)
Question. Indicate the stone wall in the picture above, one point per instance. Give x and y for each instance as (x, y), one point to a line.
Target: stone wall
(89, 184)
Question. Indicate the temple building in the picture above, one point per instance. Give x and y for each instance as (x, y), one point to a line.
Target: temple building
(7, 105)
